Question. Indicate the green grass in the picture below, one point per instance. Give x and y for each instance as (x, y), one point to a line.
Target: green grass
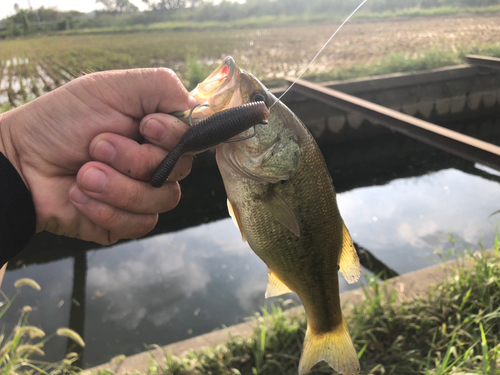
(21, 350)
(405, 63)
(432, 12)
(453, 329)
(197, 71)
(5, 107)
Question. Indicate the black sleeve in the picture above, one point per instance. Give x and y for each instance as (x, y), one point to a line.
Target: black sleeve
(17, 212)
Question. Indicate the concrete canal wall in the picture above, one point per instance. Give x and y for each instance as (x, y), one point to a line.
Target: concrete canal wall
(441, 96)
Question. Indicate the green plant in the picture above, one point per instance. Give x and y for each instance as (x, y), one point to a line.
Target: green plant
(197, 71)
(21, 349)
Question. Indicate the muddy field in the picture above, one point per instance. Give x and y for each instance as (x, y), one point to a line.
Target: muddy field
(30, 67)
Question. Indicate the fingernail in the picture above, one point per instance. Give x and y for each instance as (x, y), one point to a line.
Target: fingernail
(94, 180)
(104, 151)
(77, 196)
(153, 129)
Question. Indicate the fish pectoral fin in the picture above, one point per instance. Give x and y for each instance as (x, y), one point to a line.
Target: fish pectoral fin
(281, 211)
(334, 347)
(349, 261)
(235, 215)
(275, 287)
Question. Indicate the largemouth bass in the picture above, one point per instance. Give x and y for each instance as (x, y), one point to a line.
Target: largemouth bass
(282, 199)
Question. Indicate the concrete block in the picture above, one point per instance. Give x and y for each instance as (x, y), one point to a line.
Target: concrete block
(458, 104)
(355, 120)
(317, 127)
(336, 123)
(443, 106)
(473, 101)
(425, 108)
(455, 88)
(388, 99)
(410, 109)
(490, 99)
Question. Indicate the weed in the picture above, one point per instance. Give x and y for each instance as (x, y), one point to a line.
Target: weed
(197, 71)
(20, 351)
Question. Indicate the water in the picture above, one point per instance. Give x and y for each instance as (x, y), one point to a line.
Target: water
(172, 286)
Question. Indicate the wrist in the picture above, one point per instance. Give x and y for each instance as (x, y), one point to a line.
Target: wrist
(7, 146)
(1, 141)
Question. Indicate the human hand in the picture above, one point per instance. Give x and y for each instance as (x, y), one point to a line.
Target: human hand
(78, 150)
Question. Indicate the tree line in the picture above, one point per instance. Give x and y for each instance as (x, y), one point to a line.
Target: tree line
(124, 12)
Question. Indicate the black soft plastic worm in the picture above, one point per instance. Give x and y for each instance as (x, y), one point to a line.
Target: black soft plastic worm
(212, 131)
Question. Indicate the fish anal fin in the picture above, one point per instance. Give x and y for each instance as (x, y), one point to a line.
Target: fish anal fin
(334, 347)
(281, 211)
(235, 215)
(275, 287)
(348, 261)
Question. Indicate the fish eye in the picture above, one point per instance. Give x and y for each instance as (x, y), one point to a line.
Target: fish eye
(258, 97)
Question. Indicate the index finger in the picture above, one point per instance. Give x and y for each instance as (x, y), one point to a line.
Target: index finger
(137, 92)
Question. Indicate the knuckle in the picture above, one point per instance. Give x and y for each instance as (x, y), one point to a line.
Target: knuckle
(133, 198)
(166, 75)
(110, 216)
(143, 225)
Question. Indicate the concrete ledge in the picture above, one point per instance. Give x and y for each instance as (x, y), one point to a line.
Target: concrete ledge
(408, 285)
(396, 80)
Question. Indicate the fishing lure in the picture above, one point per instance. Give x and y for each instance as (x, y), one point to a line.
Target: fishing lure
(213, 130)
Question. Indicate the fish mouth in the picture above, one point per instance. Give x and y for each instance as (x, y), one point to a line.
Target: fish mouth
(215, 82)
(219, 91)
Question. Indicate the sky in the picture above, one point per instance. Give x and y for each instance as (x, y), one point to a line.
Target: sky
(7, 6)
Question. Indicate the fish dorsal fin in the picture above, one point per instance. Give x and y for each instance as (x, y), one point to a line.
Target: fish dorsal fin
(349, 261)
(235, 215)
(281, 211)
(275, 287)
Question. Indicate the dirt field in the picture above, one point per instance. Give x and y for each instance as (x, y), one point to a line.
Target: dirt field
(32, 66)
(362, 43)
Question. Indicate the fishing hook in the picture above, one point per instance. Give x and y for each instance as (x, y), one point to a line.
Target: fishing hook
(191, 112)
(264, 122)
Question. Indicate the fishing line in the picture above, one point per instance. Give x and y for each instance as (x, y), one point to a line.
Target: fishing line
(321, 50)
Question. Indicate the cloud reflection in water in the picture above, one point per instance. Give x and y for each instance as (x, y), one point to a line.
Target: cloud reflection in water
(406, 220)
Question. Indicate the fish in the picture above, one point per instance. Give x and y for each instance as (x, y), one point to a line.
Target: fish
(282, 199)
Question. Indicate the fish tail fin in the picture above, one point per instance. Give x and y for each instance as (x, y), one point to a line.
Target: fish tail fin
(334, 347)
